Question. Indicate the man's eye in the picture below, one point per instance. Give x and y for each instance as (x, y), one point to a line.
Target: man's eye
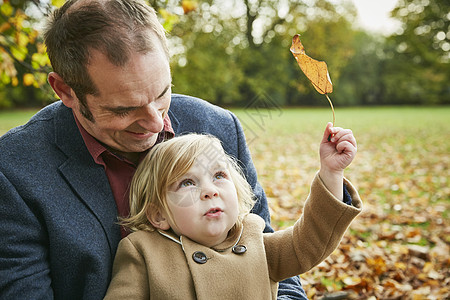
(122, 113)
(186, 183)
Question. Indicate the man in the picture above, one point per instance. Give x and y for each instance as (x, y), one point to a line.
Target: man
(64, 175)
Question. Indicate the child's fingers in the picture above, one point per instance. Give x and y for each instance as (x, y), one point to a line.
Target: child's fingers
(327, 133)
(341, 135)
(346, 147)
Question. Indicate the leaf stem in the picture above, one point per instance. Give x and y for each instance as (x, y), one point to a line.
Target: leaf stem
(332, 108)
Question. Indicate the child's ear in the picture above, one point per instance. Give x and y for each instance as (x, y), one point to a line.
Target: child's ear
(158, 219)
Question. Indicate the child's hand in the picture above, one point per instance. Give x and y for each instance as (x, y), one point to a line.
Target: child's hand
(335, 156)
(338, 153)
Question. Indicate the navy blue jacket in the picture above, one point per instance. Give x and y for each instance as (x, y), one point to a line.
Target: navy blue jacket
(58, 217)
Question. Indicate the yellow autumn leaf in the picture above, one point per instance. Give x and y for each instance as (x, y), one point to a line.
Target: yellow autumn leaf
(5, 26)
(41, 48)
(40, 79)
(28, 79)
(40, 59)
(316, 71)
(18, 19)
(58, 3)
(19, 53)
(169, 19)
(189, 5)
(6, 9)
(32, 35)
(22, 39)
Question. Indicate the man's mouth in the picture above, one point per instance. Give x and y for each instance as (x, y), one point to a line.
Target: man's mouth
(140, 134)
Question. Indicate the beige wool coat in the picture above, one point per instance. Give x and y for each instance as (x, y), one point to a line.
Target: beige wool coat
(151, 265)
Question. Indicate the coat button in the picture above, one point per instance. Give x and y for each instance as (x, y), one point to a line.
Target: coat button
(239, 249)
(199, 257)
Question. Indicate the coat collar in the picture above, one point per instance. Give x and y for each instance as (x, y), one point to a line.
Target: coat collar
(222, 247)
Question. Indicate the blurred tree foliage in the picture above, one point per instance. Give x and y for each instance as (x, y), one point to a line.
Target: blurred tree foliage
(23, 61)
(231, 52)
(249, 55)
(417, 68)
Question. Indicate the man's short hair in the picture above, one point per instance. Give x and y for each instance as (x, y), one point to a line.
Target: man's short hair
(116, 28)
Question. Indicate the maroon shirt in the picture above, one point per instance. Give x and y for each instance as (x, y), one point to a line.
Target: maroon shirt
(119, 170)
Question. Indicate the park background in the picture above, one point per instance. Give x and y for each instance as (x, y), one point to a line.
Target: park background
(391, 88)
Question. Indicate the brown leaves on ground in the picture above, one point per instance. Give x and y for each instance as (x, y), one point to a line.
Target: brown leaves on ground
(380, 260)
(398, 247)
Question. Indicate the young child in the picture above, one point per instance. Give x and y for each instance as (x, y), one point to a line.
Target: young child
(195, 238)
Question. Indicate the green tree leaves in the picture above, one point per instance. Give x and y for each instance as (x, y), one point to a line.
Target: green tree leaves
(23, 62)
(229, 52)
(417, 70)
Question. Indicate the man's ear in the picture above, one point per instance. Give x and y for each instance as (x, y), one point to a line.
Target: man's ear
(158, 219)
(64, 92)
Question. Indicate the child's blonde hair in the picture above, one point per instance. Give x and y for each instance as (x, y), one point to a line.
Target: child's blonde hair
(165, 164)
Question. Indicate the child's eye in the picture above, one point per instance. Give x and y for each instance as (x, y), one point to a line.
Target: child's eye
(220, 175)
(186, 183)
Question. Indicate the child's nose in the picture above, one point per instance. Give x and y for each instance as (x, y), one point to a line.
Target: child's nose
(209, 192)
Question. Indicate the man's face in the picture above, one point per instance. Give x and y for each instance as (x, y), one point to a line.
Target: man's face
(132, 102)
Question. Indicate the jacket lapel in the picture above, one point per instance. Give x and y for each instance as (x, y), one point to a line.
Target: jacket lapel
(86, 178)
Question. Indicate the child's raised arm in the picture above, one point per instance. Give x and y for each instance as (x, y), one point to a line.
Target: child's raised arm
(335, 155)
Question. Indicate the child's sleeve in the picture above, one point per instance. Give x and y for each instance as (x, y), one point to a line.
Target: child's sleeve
(315, 235)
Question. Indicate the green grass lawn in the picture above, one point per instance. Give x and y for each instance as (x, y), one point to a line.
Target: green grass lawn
(398, 247)
(13, 118)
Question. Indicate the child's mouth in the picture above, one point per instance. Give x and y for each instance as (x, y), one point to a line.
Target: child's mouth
(213, 212)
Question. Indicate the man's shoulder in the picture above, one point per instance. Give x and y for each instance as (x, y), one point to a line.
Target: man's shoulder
(192, 106)
(38, 135)
(190, 114)
(37, 122)
(196, 115)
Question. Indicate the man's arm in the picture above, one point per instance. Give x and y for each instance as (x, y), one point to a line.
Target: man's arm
(24, 265)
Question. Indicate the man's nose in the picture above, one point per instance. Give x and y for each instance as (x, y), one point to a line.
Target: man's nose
(151, 118)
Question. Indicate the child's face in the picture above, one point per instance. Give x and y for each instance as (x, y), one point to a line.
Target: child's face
(204, 202)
